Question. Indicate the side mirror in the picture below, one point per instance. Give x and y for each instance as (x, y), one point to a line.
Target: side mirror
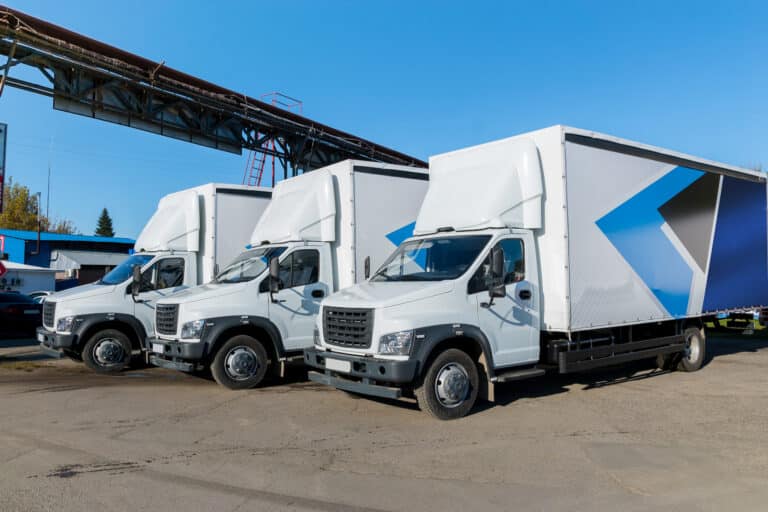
(496, 288)
(274, 276)
(136, 282)
(367, 266)
(497, 263)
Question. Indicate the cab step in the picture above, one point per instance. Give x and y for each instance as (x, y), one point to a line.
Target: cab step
(518, 374)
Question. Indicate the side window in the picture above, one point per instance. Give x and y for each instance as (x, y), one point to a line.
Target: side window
(514, 267)
(305, 268)
(299, 268)
(514, 260)
(166, 273)
(170, 273)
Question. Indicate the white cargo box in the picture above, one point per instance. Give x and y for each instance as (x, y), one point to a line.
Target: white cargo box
(214, 220)
(626, 233)
(364, 208)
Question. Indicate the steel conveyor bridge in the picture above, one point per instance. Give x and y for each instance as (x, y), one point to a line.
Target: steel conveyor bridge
(91, 78)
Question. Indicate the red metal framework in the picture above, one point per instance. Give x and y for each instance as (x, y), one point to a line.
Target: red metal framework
(257, 160)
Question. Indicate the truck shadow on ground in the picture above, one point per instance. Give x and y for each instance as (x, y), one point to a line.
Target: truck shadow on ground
(723, 344)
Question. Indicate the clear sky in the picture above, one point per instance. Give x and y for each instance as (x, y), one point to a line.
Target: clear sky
(421, 77)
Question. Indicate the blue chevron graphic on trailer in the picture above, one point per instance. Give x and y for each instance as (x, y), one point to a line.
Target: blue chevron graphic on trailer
(399, 235)
(634, 229)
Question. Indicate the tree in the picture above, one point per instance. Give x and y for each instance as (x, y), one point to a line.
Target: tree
(104, 227)
(20, 211)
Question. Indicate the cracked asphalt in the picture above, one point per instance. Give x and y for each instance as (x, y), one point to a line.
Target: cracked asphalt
(625, 439)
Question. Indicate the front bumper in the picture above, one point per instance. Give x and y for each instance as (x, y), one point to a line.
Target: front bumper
(54, 344)
(175, 355)
(366, 372)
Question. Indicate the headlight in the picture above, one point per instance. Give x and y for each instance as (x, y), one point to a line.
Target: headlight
(193, 329)
(64, 324)
(397, 343)
(316, 337)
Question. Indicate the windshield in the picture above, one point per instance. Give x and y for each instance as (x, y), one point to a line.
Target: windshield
(248, 265)
(434, 259)
(124, 270)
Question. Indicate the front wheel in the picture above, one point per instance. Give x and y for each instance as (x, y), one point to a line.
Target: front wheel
(241, 363)
(449, 388)
(107, 351)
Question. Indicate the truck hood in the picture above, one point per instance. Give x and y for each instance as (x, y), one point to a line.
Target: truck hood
(203, 292)
(384, 295)
(85, 291)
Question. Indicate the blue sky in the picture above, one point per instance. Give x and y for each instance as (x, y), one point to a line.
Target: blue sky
(420, 77)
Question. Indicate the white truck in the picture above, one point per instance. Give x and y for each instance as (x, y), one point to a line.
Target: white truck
(557, 250)
(319, 234)
(191, 233)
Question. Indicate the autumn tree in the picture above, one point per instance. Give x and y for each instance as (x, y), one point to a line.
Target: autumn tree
(20, 209)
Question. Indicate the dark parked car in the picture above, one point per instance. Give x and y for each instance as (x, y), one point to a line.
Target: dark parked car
(19, 314)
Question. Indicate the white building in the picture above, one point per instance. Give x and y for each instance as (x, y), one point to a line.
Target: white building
(27, 278)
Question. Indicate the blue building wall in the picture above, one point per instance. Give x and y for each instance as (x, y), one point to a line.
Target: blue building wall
(14, 248)
(39, 260)
(19, 245)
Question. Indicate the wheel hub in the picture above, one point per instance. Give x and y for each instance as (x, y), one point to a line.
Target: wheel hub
(452, 385)
(109, 351)
(241, 363)
(692, 348)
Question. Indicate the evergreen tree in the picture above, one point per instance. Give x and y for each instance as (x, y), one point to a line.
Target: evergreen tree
(104, 227)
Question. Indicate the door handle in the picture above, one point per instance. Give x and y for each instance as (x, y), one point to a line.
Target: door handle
(318, 294)
(525, 294)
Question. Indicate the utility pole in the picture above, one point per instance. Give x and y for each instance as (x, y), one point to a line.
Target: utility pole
(48, 194)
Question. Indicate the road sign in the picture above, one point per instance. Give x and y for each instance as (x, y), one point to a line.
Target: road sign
(3, 139)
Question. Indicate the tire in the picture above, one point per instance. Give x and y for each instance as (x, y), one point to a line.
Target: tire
(695, 351)
(447, 399)
(107, 351)
(241, 363)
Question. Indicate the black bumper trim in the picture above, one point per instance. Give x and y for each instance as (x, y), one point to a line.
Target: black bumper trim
(53, 344)
(176, 349)
(381, 370)
(355, 386)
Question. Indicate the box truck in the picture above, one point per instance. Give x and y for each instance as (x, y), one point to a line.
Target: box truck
(557, 250)
(191, 233)
(318, 235)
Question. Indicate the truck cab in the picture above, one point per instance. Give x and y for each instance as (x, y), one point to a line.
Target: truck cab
(318, 235)
(105, 323)
(231, 315)
(102, 323)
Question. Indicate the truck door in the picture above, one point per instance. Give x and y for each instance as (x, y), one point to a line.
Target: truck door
(304, 281)
(164, 277)
(511, 323)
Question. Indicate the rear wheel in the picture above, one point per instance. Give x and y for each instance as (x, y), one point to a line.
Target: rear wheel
(691, 358)
(107, 351)
(695, 350)
(449, 387)
(241, 363)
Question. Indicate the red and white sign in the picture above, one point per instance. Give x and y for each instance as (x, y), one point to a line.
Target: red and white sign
(3, 270)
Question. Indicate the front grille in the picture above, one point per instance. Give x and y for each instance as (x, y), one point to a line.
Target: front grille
(347, 327)
(166, 318)
(49, 313)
